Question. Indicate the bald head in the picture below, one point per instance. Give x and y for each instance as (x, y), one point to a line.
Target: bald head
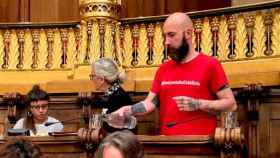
(181, 20)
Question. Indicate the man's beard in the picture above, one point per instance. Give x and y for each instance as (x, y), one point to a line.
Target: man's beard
(179, 54)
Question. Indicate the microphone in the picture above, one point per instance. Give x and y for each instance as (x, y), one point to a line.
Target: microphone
(51, 123)
(64, 121)
(18, 132)
(172, 123)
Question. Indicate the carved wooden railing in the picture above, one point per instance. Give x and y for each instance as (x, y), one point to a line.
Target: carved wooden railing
(242, 33)
(39, 46)
(231, 34)
(243, 38)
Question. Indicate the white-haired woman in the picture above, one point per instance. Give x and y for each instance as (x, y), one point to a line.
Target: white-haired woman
(107, 78)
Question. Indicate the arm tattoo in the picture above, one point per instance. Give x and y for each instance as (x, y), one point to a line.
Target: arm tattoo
(138, 108)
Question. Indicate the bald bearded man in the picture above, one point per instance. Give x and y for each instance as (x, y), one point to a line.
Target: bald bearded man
(189, 89)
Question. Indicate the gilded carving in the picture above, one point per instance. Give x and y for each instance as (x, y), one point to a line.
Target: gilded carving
(268, 31)
(275, 40)
(108, 50)
(64, 47)
(206, 38)
(232, 30)
(1, 48)
(43, 49)
(241, 38)
(214, 29)
(35, 50)
(20, 36)
(28, 49)
(89, 41)
(135, 39)
(101, 26)
(115, 54)
(96, 45)
(13, 54)
(83, 45)
(57, 53)
(127, 46)
(259, 36)
(223, 39)
(71, 49)
(143, 45)
(250, 23)
(150, 34)
(6, 53)
(100, 8)
(120, 43)
(198, 26)
(159, 51)
(50, 50)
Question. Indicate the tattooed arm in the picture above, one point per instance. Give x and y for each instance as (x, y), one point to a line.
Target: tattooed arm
(140, 108)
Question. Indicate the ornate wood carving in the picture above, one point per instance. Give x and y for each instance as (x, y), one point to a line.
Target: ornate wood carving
(50, 41)
(20, 35)
(64, 41)
(89, 35)
(35, 39)
(7, 40)
(135, 39)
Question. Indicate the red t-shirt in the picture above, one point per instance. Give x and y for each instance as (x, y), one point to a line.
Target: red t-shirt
(200, 78)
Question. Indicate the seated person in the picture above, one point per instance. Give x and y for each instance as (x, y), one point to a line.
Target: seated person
(37, 120)
(120, 144)
(107, 79)
(20, 149)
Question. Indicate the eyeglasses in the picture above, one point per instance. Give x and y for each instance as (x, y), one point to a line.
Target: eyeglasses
(38, 107)
(93, 76)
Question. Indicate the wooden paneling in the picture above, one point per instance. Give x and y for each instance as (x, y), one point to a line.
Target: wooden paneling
(39, 10)
(154, 146)
(137, 8)
(262, 132)
(242, 2)
(54, 10)
(9, 11)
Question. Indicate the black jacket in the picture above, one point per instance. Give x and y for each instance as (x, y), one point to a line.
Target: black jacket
(113, 99)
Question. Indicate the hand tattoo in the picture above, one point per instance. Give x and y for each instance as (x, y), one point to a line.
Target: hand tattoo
(194, 104)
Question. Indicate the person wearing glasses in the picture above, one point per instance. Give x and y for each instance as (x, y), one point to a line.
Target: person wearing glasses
(37, 120)
(107, 78)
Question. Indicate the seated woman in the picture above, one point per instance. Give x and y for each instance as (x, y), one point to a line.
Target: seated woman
(120, 144)
(107, 79)
(37, 120)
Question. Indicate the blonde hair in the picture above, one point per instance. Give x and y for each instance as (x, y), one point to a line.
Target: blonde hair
(108, 69)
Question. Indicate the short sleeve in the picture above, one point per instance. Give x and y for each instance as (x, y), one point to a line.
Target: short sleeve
(56, 127)
(19, 124)
(156, 82)
(218, 79)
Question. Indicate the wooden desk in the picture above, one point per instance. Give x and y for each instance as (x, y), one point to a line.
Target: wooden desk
(56, 147)
(155, 146)
(179, 146)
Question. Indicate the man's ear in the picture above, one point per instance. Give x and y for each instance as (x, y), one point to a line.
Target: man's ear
(188, 33)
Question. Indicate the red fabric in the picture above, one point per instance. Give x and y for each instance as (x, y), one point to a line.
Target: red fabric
(200, 78)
